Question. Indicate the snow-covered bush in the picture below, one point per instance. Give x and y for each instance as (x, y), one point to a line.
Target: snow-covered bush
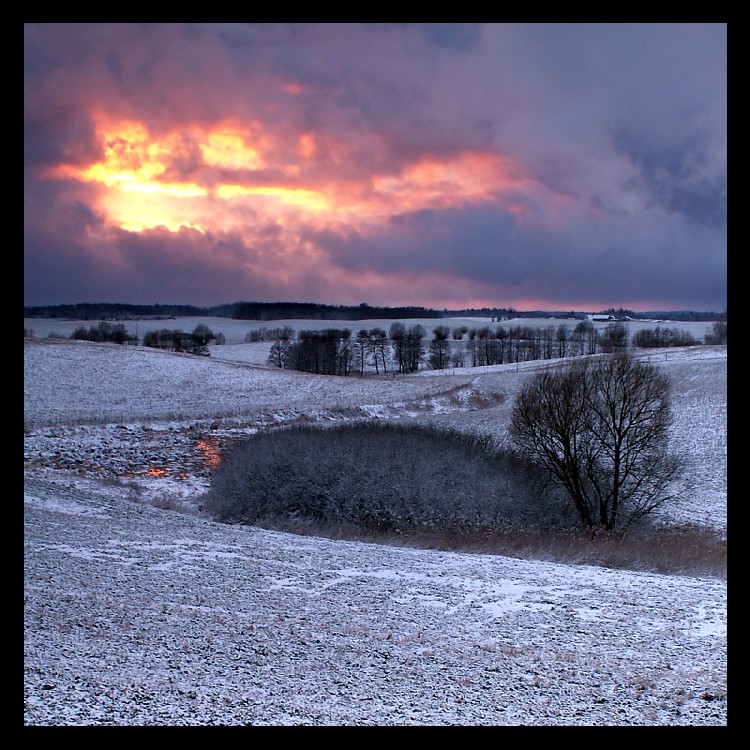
(376, 477)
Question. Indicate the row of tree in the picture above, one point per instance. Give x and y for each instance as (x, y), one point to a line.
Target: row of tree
(315, 311)
(176, 340)
(402, 349)
(115, 333)
(657, 338)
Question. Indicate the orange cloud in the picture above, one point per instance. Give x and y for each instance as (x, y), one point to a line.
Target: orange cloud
(214, 178)
(228, 148)
(466, 177)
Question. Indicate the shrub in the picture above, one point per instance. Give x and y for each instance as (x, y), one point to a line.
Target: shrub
(104, 331)
(663, 337)
(376, 477)
(717, 334)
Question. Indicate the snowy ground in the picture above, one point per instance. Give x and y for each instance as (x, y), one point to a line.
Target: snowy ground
(139, 611)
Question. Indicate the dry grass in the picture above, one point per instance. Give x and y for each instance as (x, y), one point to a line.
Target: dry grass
(687, 550)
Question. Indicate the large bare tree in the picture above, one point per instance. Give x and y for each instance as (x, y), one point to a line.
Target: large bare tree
(598, 429)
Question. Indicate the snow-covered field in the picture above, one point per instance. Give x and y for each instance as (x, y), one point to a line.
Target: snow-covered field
(141, 611)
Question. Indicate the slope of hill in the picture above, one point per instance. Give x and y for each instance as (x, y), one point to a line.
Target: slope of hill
(138, 615)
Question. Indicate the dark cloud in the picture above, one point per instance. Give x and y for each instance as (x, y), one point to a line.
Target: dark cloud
(687, 176)
(458, 37)
(55, 137)
(616, 134)
(454, 36)
(486, 249)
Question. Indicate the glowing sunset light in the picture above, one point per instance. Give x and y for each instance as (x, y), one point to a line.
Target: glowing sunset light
(175, 189)
(229, 150)
(136, 211)
(137, 164)
(288, 196)
(467, 176)
(138, 182)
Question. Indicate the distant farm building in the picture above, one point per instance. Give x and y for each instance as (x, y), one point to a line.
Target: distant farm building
(601, 318)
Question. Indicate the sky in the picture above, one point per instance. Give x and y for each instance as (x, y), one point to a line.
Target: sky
(450, 166)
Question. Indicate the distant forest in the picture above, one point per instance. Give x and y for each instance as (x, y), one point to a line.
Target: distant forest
(315, 311)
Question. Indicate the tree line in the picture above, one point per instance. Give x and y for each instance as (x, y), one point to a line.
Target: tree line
(264, 311)
(236, 310)
(313, 311)
(175, 340)
(111, 311)
(404, 349)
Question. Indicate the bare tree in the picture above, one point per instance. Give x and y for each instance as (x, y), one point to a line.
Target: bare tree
(471, 346)
(599, 431)
(440, 348)
(279, 354)
(414, 348)
(614, 338)
(501, 335)
(378, 347)
(397, 335)
(485, 346)
(203, 335)
(717, 334)
(361, 349)
(585, 337)
(547, 341)
(562, 336)
(344, 351)
(407, 345)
